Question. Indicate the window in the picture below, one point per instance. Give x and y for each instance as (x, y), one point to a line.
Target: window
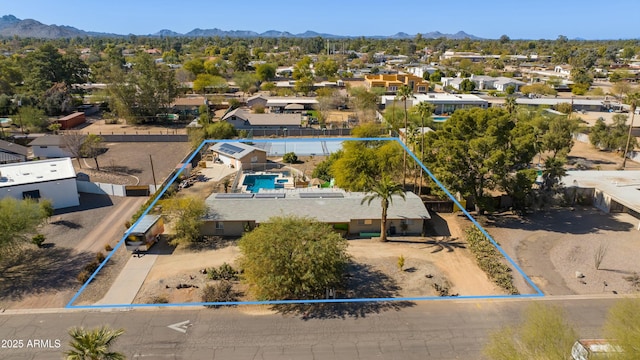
(365, 222)
(393, 88)
(219, 225)
(33, 194)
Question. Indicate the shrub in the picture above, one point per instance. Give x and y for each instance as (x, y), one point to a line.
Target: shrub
(290, 158)
(83, 276)
(224, 272)
(400, 262)
(489, 260)
(108, 248)
(100, 257)
(38, 240)
(219, 292)
(91, 267)
(158, 299)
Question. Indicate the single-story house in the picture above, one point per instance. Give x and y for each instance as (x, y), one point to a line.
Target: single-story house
(279, 104)
(444, 103)
(53, 179)
(12, 153)
(578, 104)
(232, 214)
(610, 191)
(242, 119)
(256, 100)
(49, 146)
(189, 105)
(238, 155)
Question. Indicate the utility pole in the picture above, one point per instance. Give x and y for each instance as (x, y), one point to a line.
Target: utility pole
(153, 173)
(626, 148)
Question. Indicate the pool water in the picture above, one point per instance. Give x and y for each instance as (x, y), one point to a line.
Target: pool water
(256, 182)
(440, 118)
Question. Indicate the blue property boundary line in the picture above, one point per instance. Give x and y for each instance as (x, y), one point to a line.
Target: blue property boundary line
(538, 292)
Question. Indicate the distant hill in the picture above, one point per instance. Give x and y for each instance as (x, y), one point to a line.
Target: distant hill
(11, 26)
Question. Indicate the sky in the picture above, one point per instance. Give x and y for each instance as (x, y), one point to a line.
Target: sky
(518, 19)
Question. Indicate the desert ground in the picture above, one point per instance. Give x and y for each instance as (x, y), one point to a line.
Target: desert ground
(549, 246)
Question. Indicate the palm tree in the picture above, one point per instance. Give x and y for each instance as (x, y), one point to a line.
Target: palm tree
(93, 344)
(384, 190)
(510, 105)
(425, 110)
(405, 93)
(632, 99)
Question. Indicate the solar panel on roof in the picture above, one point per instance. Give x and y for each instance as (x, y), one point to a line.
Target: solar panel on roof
(269, 195)
(234, 196)
(230, 149)
(321, 195)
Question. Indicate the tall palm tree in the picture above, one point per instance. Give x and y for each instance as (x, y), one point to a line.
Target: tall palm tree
(384, 190)
(93, 344)
(510, 105)
(632, 99)
(405, 93)
(424, 110)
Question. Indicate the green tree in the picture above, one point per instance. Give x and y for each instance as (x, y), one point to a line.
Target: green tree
(290, 158)
(207, 82)
(220, 130)
(195, 66)
(292, 258)
(240, 59)
(436, 76)
(384, 190)
(467, 86)
(622, 327)
(247, 82)
(19, 219)
(538, 89)
(404, 94)
(265, 72)
(32, 119)
(186, 215)
(361, 161)
(93, 344)
(92, 147)
(323, 169)
(544, 333)
(476, 149)
(510, 105)
(327, 67)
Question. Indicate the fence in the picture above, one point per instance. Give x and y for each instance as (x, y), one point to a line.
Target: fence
(101, 188)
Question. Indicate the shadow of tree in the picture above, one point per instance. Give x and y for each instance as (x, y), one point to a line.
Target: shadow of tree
(67, 224)
(211, 243)
(34, 271)
(362, 281)
(587, 220)
(121, 169)
(445, 243)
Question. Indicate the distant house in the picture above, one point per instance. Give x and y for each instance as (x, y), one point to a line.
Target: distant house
(53, 179)
(242, 119)
(563, 70)
(483, 82)
(232, 214)
(256, 100)
(443, 103)
(49, 146)
(391, 83)
(290, 104)
(238, 155)
(189, 105)
(12, 153)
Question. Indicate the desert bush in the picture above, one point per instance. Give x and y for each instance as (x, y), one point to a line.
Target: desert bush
(490, 260)
(83, 276)
(598, 256)
(400, 262)
(442, 290)
(219, 292)
(158, 299)
(100, 257)
(224, 272)
(634, 280)
(91, 267)
(108, 248)
(38, 240)
(290, 158)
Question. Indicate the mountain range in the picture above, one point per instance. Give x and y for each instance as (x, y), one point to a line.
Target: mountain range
(12, 26)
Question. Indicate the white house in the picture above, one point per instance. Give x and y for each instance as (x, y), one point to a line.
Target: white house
(53, 179)
(238, 154)
(242, 119)
(49, 146)
(444, 103)
(563, 70)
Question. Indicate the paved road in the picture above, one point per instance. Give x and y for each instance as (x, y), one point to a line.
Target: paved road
(427, 330)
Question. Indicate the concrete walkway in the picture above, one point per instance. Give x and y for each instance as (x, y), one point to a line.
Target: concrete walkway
(128, 283)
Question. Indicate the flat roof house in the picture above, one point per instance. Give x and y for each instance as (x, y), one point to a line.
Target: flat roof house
(53, 179)
(391, 83)
(231, 214)
(444, 103)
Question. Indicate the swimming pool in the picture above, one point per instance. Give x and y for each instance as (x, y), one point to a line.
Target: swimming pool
(440, 118)
(256, 182)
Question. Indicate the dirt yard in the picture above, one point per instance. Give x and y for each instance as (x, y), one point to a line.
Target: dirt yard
(443, 260)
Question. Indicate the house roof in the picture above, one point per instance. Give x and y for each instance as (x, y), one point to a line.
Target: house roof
(190, 101)
(235, 150)
(48, 140)
(9, 147)
(269, 119)
(36, 171)
(329, 209)
(556, 101)
(622, 186)
(284, 101)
